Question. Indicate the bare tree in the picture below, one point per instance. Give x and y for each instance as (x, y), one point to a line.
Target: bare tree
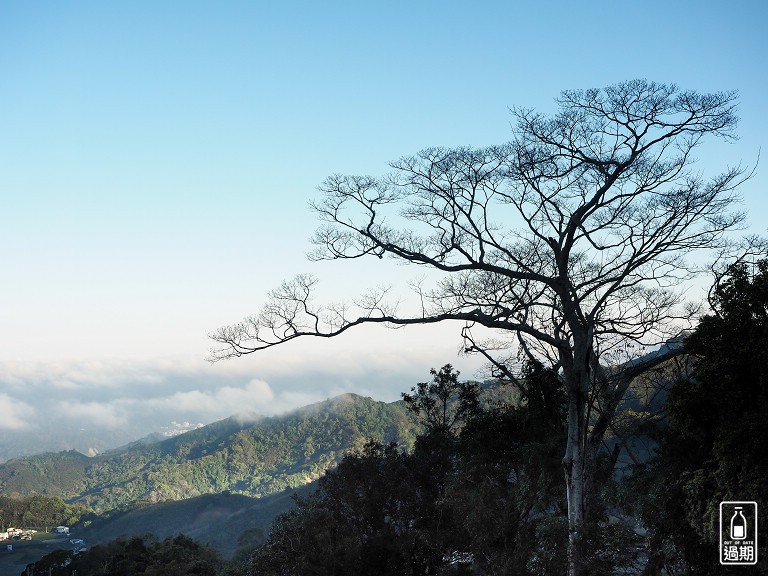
(572, 239)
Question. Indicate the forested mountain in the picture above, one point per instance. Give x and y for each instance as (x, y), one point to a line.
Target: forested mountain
(221, 484)
(255, 458)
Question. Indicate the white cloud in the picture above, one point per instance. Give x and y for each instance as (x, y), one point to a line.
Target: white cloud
(255, 396)
(81, 374)
(135, 397)
(14, 414)
(370, 360)
(94, 414)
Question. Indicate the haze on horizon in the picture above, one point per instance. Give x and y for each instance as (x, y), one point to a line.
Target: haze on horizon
(156, 162)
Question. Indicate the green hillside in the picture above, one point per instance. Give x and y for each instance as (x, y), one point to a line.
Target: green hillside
(217, 520)
(53, 474)
(255, 458)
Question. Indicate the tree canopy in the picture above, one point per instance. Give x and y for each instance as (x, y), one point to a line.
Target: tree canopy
(589, 212)
(570, 240)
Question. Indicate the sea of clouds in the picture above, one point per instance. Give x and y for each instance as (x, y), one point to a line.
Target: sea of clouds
(97, 404)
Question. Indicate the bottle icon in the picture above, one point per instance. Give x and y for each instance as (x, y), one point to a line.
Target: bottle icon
(738, 525)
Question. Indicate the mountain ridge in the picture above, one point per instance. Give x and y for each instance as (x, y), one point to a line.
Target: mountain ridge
(254, 456)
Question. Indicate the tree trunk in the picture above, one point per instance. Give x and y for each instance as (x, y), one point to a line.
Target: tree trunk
(576, 373)
(574, 480)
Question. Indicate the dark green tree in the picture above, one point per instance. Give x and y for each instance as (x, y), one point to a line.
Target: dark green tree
(54, 563)
(443, 405)
(145, 555)
(506, 487)
(714, 445)
(182, 556)
(369, 516)
(39, 512)
(248, 544)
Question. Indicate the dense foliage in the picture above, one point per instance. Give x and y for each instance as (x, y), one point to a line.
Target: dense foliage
(714, 447)
(39, 512)
(176, 556)
(52, 474)
(480, 499)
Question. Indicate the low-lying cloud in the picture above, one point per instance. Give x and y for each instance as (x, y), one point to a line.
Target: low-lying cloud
(14, 414)
(127, 399)
(254, 396)
(108, 415)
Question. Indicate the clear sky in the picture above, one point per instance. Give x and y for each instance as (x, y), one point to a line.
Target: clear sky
(157, 158)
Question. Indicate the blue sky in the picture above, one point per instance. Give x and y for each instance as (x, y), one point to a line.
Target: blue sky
(157, 158)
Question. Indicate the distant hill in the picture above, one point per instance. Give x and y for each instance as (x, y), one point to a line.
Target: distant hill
(55, 474)
(214, 519)
(55, 435)
(253, 458)
(246, 455)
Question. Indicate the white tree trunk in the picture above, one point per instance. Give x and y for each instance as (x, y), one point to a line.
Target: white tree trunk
(575, 480)
(577, 380)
